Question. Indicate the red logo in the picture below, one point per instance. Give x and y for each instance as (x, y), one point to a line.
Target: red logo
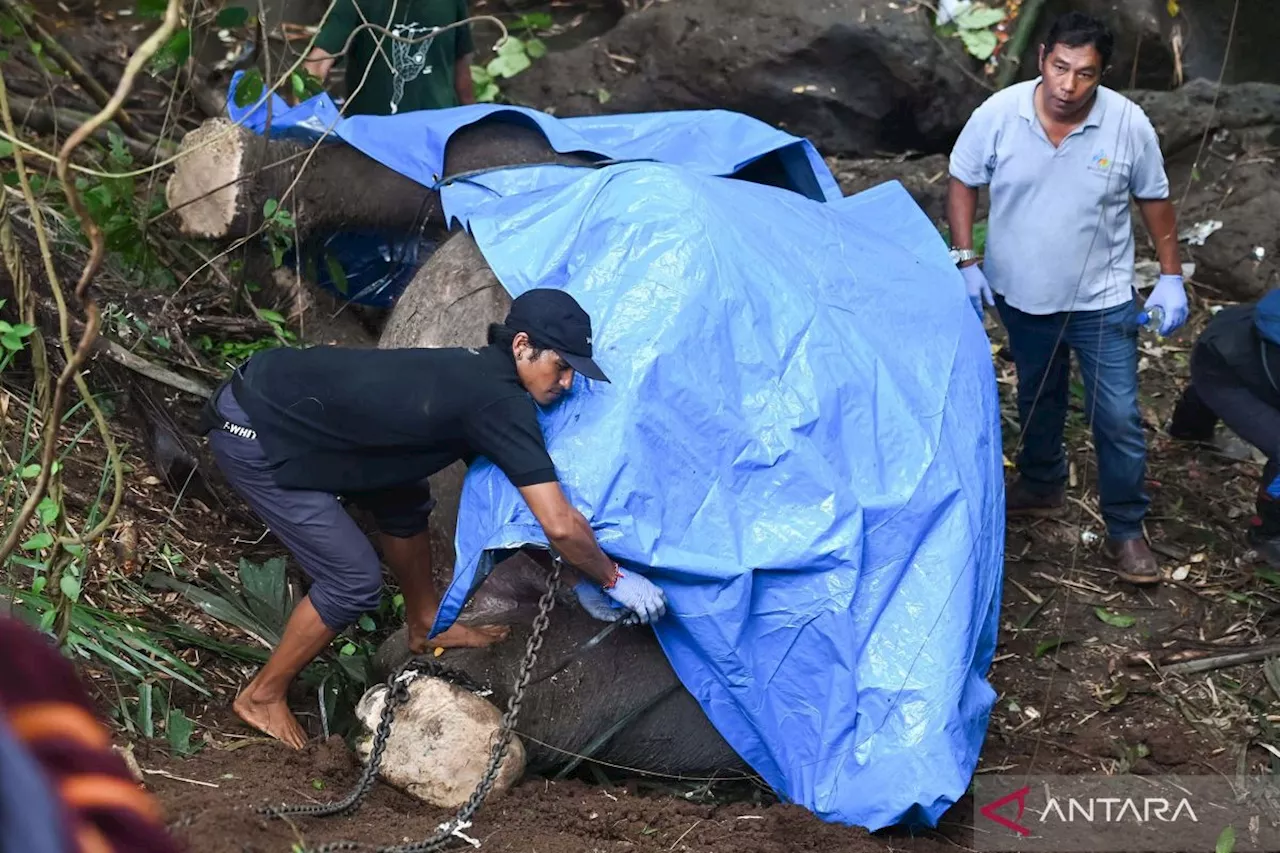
(989, 810)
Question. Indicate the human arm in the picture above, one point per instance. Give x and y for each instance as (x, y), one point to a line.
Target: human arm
(331, 40)
(962, 207)
(507, 432)
(1150, 187)
(570, 534)
(319, 63)
(971, 166)
(1162, 224)
(462, 82)
(465, 51)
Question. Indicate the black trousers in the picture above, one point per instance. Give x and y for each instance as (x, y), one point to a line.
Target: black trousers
(1218, 393)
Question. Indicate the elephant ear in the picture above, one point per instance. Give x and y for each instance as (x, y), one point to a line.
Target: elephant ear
(509, 595)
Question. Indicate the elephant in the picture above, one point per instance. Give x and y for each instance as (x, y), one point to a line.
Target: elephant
(625, 682)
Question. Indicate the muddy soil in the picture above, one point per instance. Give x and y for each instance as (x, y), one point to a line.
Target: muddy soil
(538, 815)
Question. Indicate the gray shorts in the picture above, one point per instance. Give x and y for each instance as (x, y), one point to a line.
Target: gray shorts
(345, 573)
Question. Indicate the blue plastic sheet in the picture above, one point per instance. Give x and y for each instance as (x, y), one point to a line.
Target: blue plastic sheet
(800, 444)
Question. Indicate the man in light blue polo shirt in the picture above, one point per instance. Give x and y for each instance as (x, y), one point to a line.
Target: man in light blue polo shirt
(1062, 156)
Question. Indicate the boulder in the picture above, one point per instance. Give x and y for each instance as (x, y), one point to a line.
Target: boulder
(853, 76)
(440, 742)
(1233, 180)
(1144, 53)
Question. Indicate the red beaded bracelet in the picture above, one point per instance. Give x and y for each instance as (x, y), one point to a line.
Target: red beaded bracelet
(617, 573)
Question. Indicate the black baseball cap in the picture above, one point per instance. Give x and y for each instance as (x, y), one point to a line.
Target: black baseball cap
(554, 319)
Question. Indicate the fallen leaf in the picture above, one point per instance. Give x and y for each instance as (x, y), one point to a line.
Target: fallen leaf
(1118, 620)
(1180, 573)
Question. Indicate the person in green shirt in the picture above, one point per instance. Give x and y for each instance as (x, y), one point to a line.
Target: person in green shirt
(386, 76)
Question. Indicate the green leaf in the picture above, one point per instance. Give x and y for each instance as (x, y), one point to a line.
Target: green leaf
(31, 471)
(536, 48)
(602, 95)
(231, 17)
(1226, 841)
(174, 52)
(980, 18)
(9, 28)
(151, 8)
(23, 330)
(509, 64)
(6, 148)
(367, 624)
(269, 208)
(70, 586)
(1046, 646)
(179, 730)
(48, 510)
(38, 585)
(145, 722)
(348, 649)
(980, 43)
(265, 591)
(11, 342)
(5, 328)
(534, 21)
(41, 540)
(1118, 620)
(249, 89)
(337, 274)
(1269, 575)
(510, 47)
(299, 85)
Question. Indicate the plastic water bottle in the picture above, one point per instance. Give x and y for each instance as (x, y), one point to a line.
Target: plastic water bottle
(1151, 320)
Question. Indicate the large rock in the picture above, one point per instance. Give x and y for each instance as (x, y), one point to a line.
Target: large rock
(440, 743)
(1234, 179)
(853, 76)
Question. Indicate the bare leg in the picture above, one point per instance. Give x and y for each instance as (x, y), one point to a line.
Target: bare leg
(262, 704)
(410, 561)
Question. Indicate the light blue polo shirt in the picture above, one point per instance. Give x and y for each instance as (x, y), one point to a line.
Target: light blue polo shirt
(1059, 233)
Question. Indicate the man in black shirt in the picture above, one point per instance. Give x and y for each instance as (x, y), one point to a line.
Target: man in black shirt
(295, 429)
(1235, 366)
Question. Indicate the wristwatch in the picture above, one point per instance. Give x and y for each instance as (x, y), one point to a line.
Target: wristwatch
(959, 256)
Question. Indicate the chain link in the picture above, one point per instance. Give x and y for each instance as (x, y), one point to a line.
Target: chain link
(397, 695)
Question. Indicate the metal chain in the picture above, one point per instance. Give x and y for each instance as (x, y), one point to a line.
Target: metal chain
(397, 695)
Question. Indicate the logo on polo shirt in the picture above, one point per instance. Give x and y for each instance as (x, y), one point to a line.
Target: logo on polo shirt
(1100, 161)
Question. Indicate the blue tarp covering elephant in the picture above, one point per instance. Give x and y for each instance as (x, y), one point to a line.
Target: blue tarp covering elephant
(800, 444)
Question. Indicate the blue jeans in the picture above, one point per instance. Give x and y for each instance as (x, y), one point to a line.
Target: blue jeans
(1106, 345)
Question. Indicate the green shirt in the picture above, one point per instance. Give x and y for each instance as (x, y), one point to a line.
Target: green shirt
(401, 77)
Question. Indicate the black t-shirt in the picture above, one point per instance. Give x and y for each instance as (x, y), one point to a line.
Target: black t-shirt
(350, 421)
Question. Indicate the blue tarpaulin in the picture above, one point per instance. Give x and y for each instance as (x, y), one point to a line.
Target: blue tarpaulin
(800, 443)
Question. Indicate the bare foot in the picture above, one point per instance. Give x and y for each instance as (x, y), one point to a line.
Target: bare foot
(271, 717)
(460, 637)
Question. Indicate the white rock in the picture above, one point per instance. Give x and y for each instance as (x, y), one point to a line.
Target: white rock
(440, 742)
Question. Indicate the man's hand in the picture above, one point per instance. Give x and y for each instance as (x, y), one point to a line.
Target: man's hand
(975, 282)
(595, 602)
(1171, 296)
(639, 595)
(318, 63)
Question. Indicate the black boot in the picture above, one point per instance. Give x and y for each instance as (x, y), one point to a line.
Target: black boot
(1192, 420)
(1264, 531)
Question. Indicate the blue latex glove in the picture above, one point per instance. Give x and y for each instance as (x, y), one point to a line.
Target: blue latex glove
(975, 281)
(1171, 296)
(595, 602)
(638, 594)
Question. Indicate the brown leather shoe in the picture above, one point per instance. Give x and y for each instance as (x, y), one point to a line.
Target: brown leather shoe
(1133, 560)
(1021, 501)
